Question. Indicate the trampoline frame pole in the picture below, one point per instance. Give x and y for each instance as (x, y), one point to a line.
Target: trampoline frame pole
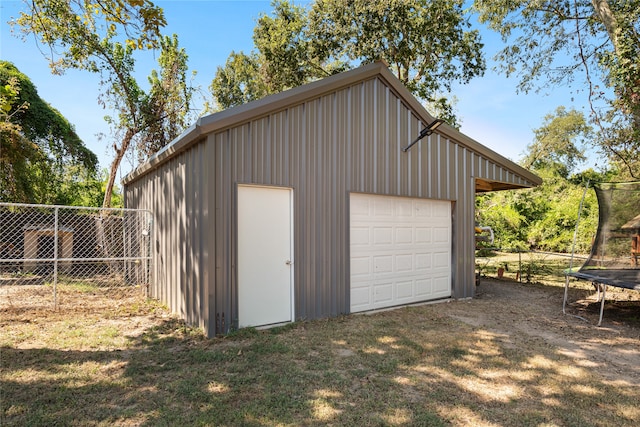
(604, 297)
(573, 249)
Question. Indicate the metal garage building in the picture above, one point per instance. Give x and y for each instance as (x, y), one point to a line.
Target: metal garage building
(304, 205)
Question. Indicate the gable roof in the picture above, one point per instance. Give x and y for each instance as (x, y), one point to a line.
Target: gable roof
(272, 103)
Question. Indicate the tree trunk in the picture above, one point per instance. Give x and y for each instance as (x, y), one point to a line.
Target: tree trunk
(113, 172)
(603, 11)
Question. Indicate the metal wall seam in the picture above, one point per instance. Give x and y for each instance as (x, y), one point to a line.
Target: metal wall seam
(209, 215)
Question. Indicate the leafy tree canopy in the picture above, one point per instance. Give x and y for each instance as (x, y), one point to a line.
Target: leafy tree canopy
(75, 31)
(145, 122)
(165, 108)
(238, 81)
(428, 44)
(100, 36)
(559, 142)
(38, 143)
(596, 41)
(545, 217)
(542, 218)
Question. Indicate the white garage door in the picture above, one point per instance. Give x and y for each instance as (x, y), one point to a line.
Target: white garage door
(400, 251)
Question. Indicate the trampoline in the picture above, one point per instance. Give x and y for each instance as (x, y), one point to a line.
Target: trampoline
(614, 257)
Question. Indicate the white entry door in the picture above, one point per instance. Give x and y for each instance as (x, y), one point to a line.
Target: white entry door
(265, 276)
(400, 251)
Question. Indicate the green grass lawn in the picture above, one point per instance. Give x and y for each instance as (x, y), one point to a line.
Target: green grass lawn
(418, 366)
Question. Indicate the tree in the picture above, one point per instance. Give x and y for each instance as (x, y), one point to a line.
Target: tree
(75, 31)
(598, 41)
(239, 81)
(544, 218)
(541, 218)
(557, 142)
(37, 143)
(99, 36)
(165, 108)
(428, 44)
(286, 57)
(287, 54)
(148, 121)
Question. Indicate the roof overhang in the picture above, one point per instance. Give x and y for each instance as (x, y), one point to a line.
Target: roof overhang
(484, 186)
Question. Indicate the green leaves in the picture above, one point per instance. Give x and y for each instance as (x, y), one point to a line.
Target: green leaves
(74, 31)
(165, 109)
(37, 144)
(239, 81)
(594, 43)
(559, 142)
(99, 36)
(428, 44)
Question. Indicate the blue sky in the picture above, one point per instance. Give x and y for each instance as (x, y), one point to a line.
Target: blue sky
(489, 108)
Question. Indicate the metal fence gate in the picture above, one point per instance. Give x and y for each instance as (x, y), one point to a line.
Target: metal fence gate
(60, 256)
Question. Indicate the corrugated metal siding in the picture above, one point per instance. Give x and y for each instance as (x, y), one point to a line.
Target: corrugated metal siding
(178, 195)
(324, 148)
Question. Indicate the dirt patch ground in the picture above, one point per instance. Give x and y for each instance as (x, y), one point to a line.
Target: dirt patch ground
(508, 357)
(524, 314)
(521, 314)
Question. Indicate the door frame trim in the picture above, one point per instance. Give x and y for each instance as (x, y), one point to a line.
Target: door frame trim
(291, 251)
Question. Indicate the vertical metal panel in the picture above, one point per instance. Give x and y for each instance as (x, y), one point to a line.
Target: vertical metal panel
(176, 193)
(207, 246)
(324, 148)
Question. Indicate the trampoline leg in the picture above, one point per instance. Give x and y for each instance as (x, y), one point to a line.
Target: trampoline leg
(597, 286)
(604, 297)
(566, 293)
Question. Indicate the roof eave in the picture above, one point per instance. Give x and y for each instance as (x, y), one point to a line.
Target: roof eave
(241, 113)
(271, 103)
(454, 134)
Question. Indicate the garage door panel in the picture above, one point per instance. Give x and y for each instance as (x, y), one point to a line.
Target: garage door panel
(404, 208)
(404, 263)
(423, 209)
(423, 261)
(441, 235)
(382, 208)
(360, 296)
(441, 210)
(404, 235)
(400, 247)
(423, 235)
(360, 208)
(383, 264)
(383, 294)
(424, 288)
(361, 266)
(382, 236)
(360, 236)
(405, 290)
(441, 285)
(441, 260)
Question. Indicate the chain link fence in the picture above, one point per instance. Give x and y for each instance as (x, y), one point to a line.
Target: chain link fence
(525, 266)
(58, 256)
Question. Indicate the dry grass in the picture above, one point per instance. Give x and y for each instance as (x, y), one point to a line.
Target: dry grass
(507, 358)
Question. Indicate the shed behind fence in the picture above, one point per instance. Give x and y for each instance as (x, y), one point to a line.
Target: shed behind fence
(47, 252)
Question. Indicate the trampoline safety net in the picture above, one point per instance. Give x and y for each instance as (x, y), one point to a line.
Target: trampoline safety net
(615, 254)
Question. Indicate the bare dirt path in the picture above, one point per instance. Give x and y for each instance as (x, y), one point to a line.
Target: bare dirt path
(525, 315)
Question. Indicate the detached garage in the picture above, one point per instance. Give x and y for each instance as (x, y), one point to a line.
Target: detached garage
(306, 204)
